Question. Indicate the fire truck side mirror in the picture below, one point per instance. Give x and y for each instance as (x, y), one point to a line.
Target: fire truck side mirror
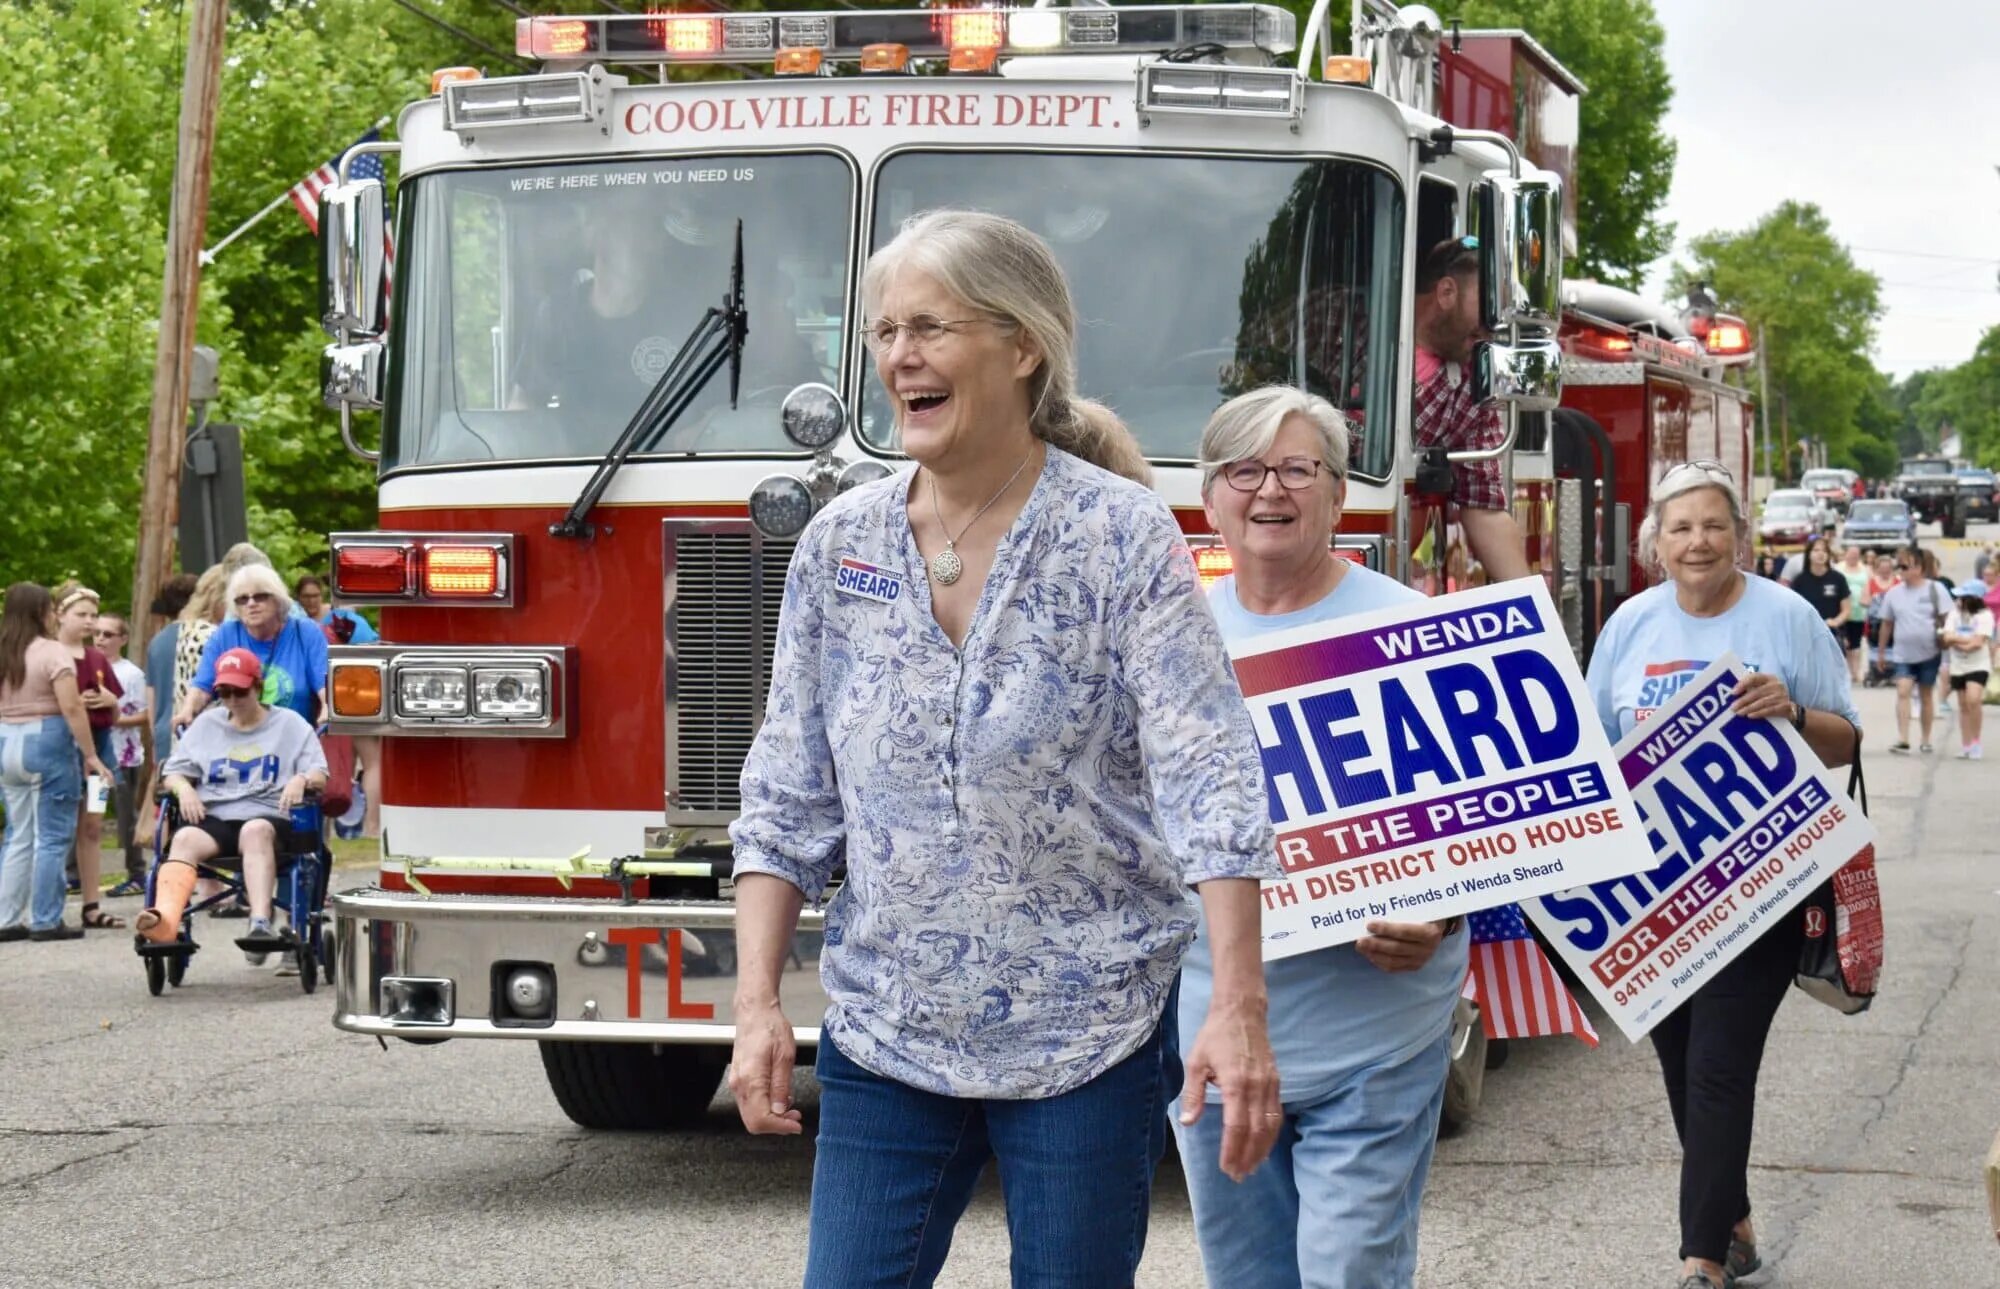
(351, 376)
(352, 272)
(1520, 249)
(1526, 374)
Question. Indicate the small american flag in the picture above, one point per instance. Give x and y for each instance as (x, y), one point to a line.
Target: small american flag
(305, 193)
(1517, 988)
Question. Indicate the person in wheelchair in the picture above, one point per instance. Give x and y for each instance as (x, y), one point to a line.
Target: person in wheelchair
(236, 775)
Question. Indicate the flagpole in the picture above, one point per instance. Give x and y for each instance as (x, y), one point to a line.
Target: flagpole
(208, 256)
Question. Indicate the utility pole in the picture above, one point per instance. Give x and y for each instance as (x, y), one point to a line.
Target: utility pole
(180, 296)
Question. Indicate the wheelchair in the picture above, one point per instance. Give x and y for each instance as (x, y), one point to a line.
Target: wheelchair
(305, 867)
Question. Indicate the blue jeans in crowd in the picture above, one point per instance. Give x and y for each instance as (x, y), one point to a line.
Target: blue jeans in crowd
(896, 1167)
(1335, 1206)
(41, 778)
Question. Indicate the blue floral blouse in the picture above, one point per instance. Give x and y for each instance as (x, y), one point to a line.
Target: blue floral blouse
(1021, 817)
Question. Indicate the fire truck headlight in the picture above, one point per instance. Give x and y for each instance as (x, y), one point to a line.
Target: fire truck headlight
(781, 506)
(430, 692)
(861, 472)
(812, 416)
(508, 693)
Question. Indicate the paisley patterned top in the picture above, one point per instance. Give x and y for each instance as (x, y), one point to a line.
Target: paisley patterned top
(1021, 817)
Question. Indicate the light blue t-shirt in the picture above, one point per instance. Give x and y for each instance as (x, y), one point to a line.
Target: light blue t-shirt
(1651, 647)
(1332, 1012)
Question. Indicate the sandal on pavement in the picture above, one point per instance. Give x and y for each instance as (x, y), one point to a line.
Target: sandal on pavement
(96, 919)
(130, 886)
(1743, 1259)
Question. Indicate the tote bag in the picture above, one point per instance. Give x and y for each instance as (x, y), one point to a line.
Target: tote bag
(1842, 953)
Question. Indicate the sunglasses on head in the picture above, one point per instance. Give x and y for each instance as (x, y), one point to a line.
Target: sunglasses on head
(253, 597)
(230, 691)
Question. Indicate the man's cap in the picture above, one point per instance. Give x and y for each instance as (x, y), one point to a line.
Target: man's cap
(239, 669)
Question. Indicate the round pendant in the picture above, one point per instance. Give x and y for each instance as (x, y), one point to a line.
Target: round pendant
(946, 567)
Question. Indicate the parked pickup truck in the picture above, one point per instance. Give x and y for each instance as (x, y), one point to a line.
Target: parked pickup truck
(1930, 488)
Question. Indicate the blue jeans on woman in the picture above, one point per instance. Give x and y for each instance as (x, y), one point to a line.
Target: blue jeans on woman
(1336, 1204)
(41, 779)
(896, 1167)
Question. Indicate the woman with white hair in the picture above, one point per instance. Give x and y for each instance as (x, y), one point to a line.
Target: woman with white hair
(998, 698)
(1657, 641)
(1361, 1031)
(290, 650)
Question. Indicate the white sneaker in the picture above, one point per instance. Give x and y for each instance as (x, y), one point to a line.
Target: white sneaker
(1975, 753)
(288, 963)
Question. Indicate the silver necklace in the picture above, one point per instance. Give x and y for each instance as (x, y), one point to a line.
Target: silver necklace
(946, 566)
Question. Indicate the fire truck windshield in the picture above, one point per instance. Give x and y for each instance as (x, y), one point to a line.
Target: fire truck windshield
(1195, 278)
(536, 306)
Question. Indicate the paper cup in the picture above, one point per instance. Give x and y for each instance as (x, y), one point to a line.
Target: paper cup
(99, 793)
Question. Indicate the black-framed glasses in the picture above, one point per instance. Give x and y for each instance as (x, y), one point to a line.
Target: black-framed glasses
(924, 330)
(230, 691)
(253, 597)
(1293, 473)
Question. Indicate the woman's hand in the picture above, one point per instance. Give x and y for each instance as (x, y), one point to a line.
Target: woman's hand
(1233, 1051)
(760, 1070)
(98, 698)
(1762, 696)
(1400, 946)
(192, 811)
(92, 765)
(292, 793)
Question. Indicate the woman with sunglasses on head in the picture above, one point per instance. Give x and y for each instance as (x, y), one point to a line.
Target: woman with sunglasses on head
(998, 696)
(98, 686)
(46, 748)
(236, 774)
(289, 648)
(1711, 1046)
(1913, 611)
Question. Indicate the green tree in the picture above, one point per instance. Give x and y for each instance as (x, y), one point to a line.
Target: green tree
(1816, 312)
(1967, 399)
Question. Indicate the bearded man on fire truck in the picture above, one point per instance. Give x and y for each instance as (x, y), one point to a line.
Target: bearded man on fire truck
(1443, 415)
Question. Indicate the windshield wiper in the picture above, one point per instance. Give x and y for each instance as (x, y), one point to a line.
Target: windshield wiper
(716, 339)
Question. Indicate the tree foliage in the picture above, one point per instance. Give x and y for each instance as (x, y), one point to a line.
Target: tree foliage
(1965, 398)
(1816, 312)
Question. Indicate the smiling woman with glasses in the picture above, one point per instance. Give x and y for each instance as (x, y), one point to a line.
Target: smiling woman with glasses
(290, 648)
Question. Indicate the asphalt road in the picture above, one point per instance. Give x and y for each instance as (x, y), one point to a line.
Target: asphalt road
(227, 1134)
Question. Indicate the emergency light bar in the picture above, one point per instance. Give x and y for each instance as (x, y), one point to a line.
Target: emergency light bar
(925, 33)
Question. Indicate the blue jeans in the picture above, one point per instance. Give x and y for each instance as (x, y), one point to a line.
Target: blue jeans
(1335, 1206)
(41, 778)
(896, 1167)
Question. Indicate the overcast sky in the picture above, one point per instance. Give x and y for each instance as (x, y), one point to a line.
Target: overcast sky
(1886, 115)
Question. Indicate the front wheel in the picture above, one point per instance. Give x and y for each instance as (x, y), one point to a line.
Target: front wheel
(1465, 1078)
(647, 1087)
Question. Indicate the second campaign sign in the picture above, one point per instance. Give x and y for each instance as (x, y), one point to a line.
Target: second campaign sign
(1430, 760)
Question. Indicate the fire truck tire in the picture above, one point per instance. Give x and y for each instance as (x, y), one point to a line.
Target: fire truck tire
(633, 1086)
(1465, 1077)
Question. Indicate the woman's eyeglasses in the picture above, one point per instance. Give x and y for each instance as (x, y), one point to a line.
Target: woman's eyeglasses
(253, 597)
(1293, 473)
(924, 330)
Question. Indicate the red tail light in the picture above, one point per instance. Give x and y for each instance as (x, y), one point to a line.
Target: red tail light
(372, 571)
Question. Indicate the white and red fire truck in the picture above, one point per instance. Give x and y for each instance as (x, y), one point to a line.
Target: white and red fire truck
(623, 373)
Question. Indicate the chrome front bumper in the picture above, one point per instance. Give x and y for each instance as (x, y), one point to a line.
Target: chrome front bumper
(647, 972)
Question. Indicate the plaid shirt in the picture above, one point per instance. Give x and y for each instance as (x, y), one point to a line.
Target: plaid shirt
(1443, 415)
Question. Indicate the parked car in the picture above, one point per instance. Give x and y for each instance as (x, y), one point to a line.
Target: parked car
(1792, 517)
(1978, 495)
(1931, 490)
(1833, 486)
(1879, 525)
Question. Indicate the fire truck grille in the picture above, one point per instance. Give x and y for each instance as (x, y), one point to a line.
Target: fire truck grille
(722, 627)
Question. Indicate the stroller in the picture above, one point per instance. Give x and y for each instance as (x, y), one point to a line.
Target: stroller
(1880, 672)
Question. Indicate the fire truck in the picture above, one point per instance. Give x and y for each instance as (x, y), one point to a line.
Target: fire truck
(623, 373)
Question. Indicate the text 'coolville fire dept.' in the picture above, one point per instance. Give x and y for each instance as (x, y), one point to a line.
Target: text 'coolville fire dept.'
(855, 111)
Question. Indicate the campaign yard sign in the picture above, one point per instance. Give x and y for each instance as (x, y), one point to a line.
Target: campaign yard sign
(1744, 823)
(1430, 760)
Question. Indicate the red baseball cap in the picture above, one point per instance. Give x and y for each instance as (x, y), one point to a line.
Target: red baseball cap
(239, 669)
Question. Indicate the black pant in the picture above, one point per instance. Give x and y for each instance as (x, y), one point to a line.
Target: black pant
(1710, 1050)
(125, 797)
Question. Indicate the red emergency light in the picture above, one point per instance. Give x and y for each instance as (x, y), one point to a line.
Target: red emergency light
(1212, 564)
(423, 568)
(1729, 337)
(975, 29)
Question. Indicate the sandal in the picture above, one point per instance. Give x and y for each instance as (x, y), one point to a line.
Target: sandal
(96, 919)
(1743, 1259)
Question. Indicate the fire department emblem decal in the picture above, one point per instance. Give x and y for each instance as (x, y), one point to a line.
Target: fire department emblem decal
(650, 357)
